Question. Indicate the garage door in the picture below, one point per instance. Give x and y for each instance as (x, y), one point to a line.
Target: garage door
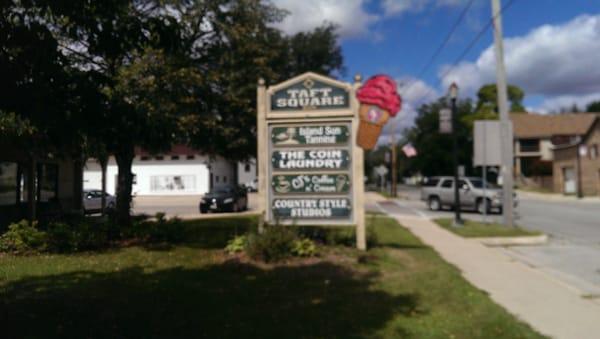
(569, 180)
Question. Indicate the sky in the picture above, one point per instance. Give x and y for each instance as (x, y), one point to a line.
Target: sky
(552, 47)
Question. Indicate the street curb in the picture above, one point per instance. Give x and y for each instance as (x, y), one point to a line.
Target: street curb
(555, 197)
(513, 241)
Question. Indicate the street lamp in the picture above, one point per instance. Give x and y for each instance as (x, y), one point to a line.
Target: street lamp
(453, 94)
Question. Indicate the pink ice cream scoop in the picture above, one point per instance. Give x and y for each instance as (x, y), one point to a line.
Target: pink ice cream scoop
(380, 90)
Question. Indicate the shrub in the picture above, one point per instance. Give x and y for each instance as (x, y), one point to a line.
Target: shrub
(304, 248)
(23, 237)
(237, 244)
(81, 236)
(163, 230)
(60, 237)
(274, 244)
(340, 236)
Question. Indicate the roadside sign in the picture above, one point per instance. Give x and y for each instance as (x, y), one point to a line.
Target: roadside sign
(307, 184)
(381, 170)
(486, 143)
(310, 168)
(445, 121)
(310, 135)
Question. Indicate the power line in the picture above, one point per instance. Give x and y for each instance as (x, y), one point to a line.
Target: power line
(442, 45)
(469, 47)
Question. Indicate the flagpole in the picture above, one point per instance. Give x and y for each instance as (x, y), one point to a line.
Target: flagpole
(394, 169)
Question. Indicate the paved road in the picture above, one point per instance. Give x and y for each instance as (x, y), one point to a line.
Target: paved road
(573, 252)
(180, 206)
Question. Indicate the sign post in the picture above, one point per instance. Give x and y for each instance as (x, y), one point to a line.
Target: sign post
(310, 170)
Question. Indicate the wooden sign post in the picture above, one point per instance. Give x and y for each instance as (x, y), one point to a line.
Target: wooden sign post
(310, 170)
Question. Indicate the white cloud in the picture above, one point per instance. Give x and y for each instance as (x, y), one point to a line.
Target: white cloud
(551, 60)
(413, 92)
(395, 7)
(556, 103)
(349, 15)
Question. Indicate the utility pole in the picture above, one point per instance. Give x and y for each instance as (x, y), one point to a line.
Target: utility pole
(453, 94)
(505, 123)
(394, 164)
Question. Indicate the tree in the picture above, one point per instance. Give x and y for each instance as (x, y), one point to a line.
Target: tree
(487, 99)
(435, 149)
(593, 107)
(149, 73)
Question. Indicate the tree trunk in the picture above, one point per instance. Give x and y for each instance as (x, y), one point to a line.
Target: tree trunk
(103, 163)
(31, 189)
(124, 159)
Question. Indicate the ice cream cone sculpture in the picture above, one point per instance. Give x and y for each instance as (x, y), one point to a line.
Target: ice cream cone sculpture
(379, 100)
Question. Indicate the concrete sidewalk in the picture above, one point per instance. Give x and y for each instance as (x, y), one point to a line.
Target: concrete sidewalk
(548, 305)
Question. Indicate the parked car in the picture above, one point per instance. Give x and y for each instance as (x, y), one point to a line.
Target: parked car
(252, 186)
(92, 201)
(227, 198)
(438, 192)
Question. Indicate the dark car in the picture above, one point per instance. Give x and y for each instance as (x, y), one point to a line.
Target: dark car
(226, 198)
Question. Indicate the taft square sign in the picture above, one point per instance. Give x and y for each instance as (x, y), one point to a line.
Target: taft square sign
(310, 170)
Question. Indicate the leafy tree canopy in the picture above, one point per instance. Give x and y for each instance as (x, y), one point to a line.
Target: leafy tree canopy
(593, 107)
(487, 99)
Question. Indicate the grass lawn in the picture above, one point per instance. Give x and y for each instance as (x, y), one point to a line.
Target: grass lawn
(474, 229)
(399, 289)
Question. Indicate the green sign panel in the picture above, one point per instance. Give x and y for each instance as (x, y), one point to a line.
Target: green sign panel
(310, 94)
(324, 208)
(318, 159)
(310, 135)
(315, 183)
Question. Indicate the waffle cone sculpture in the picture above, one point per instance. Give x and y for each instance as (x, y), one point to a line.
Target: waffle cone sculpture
(379, 101)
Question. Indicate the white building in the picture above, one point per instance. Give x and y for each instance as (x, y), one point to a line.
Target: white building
(182, 171)
(246, 171)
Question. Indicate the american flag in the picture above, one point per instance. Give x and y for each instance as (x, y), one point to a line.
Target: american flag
(409, 150)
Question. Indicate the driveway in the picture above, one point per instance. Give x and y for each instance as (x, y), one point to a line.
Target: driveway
(572, 254)
(184, 206)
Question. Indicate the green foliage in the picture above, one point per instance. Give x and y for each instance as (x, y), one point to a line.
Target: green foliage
(487, 99)
(304, 248)
(22, 237)
(593, 107)
(164, 230)
(237, 244)
(435, 149)
(274, 244)
(77, 236)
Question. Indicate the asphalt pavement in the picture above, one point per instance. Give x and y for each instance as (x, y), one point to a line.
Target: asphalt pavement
(572, 253)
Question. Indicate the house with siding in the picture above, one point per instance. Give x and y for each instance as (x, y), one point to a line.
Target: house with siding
(577, 165)
(535, 138)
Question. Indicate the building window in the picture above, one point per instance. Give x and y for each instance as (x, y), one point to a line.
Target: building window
(191, 157)
(8, 183)
(247, 168)
(593, 152)
(529, 145)
(144, 158)
(225, 178)
(159, 157)
(216, 178)
(173, 183)
(174, 157)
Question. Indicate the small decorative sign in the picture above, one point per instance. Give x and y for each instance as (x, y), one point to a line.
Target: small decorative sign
(445, 121)
(316, 183)
(323, 208)
(310, 135)
(310, 94)
(331, 159)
